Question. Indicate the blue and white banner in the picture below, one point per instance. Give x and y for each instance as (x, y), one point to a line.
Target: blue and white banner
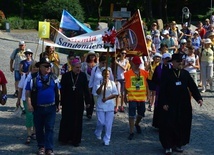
(85, 42)
(70, 23)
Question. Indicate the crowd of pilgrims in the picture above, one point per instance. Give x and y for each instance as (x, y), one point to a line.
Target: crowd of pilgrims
(195, 47)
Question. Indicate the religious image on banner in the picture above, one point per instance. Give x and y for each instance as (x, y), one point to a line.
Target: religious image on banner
(128, 40)
(131, 36)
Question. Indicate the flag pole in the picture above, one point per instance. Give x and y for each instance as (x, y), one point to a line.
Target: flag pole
(109, 41)
(105, 77)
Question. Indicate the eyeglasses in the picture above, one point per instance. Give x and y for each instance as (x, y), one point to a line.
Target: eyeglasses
(28, 53)
(123, 53)
(46, 66)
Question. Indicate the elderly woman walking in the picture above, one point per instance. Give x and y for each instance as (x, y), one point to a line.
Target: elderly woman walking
(207, 65)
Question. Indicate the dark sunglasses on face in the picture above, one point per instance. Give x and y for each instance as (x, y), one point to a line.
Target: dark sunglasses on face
(123, 53)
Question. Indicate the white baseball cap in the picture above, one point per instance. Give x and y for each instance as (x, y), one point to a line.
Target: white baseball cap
(165, 32)
(166, 55)
(183, 41)
(21, 42)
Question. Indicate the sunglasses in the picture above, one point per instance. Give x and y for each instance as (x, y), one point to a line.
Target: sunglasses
(123, 53)
(46, 66)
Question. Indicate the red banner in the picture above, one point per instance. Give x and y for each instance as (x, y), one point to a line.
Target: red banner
(131, 36)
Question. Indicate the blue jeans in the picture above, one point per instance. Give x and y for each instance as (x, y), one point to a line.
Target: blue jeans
(44, 120)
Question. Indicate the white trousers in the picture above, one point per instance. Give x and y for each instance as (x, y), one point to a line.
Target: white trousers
(104, 120)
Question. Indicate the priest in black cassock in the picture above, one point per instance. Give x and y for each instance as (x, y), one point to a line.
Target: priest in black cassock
(74, 93)
(175, 106)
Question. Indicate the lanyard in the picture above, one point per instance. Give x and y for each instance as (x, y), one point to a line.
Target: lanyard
(177, 76)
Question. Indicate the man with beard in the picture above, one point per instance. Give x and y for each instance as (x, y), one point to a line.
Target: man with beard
(175, 106)
(74, 92)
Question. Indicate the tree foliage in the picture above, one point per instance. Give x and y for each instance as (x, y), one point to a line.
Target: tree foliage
(150, 9)
(52, 9)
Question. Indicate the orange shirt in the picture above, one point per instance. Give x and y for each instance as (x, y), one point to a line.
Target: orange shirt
(136, 87)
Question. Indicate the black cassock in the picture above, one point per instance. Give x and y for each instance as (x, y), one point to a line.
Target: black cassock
(72, 101)
(175, 124)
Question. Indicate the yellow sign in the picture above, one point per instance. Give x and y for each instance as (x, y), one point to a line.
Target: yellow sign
(44, 29)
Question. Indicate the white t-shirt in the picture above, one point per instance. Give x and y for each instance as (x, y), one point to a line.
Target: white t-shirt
(109, 104)
(96, 77)
(22, 84)
(192, 60)
(120, 71)
(142, 65)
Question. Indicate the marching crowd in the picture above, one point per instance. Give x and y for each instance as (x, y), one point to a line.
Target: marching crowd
(167, 79)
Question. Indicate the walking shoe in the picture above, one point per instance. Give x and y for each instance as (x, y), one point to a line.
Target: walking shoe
(115, 110)
(149, 107)
(203, 91)
(211, 88)
(99, 137)
(178, 149)
(122, 109)
(168, 151)
(33, 136)
(138, 128)
(49, 152)
(106, 143)
(41, 151)
(16, 93)
(131, 136)
(89, 117)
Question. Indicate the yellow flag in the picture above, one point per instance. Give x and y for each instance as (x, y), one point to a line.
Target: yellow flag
(44, 29)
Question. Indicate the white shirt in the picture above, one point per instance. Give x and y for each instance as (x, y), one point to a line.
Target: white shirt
(96, 77)
(192, 60)
(109, 104)
(142, 65)
(120, 71)
(22, 84)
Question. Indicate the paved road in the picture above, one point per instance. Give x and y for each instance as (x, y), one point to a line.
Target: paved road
(13, 132)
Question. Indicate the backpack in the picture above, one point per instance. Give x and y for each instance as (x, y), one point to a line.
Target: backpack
(34, 90)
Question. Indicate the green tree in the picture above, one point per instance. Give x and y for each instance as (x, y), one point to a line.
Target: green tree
(52, 9)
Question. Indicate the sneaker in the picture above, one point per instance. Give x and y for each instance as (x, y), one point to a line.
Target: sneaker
(122, 109)
(23, 112)
(41, 151)
(115, 110)
(131, 136)
(178, 149)
(16, 93)
(149, 107)
(89, 117)
(168, 151)
(49, 152)
(138, 128)
(106, 143)
(99, 137)
(203, 91)
(211, 88)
